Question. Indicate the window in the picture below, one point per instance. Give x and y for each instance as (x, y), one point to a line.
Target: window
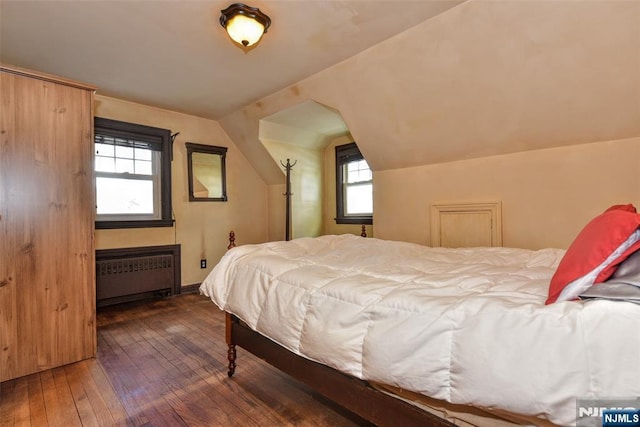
(133, 175)
(354, 186)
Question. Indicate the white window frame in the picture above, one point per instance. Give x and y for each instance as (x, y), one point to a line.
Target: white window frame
(154, 178)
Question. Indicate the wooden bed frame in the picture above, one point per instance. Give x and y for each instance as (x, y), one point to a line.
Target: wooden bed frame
(354, 394)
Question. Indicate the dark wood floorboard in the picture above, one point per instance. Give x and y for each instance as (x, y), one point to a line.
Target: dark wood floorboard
(163, 363)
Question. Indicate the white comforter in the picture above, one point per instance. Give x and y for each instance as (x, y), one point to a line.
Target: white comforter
(467, 326)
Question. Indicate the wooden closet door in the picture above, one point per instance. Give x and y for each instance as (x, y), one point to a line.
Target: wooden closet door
(465, 225)
(47, 285)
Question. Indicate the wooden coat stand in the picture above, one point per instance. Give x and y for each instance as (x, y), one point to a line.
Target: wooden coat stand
(288, 166)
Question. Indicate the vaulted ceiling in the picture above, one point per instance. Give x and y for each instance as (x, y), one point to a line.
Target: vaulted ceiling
(176, 55)
(416, 82)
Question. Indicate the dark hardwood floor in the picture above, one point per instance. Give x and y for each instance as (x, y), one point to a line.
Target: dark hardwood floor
(163, 363)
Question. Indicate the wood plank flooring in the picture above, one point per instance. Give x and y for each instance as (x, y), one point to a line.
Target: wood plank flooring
(163, 363)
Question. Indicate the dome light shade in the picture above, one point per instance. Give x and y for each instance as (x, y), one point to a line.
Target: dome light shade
(244, 30)
(244, 24)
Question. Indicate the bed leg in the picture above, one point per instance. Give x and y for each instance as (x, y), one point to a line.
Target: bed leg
(231, 356)
(231, 352)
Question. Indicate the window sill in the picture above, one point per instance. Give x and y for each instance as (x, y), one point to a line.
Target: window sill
(368, 220)
(105, 225)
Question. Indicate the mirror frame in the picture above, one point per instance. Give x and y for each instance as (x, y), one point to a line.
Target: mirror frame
(207, 149)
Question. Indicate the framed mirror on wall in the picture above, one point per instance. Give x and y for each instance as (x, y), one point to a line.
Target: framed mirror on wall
(207, 173)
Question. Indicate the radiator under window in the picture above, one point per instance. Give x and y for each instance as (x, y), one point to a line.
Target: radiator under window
(134, 273)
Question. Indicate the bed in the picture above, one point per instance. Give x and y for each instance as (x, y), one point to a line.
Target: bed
(407, 334)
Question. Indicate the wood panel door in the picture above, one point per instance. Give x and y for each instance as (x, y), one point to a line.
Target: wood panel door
(47, 268)
(466, 225)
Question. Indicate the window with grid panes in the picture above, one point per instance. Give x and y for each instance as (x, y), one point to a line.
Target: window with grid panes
(354, 186)
(133, 175)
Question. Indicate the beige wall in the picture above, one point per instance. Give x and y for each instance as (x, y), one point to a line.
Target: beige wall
(547, 195)
(276, 212)
(306, 186)
(201, 228)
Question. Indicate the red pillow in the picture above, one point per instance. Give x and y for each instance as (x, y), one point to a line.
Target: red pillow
(607, 233)
(628, 207)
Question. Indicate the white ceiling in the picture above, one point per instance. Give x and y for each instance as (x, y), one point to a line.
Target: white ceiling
(175, 55)
(417, 81)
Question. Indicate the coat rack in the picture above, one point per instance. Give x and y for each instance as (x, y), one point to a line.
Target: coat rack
(288, 166)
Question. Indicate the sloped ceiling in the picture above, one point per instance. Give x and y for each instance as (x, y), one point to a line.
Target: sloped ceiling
(174, 54)
(309, 124)
(419, 82)
(482, 79)
(496, 77)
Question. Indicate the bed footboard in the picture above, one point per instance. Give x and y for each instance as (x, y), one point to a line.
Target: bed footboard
(352, 393)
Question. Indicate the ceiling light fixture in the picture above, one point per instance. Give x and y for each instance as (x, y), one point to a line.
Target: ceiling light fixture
(244, 24)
